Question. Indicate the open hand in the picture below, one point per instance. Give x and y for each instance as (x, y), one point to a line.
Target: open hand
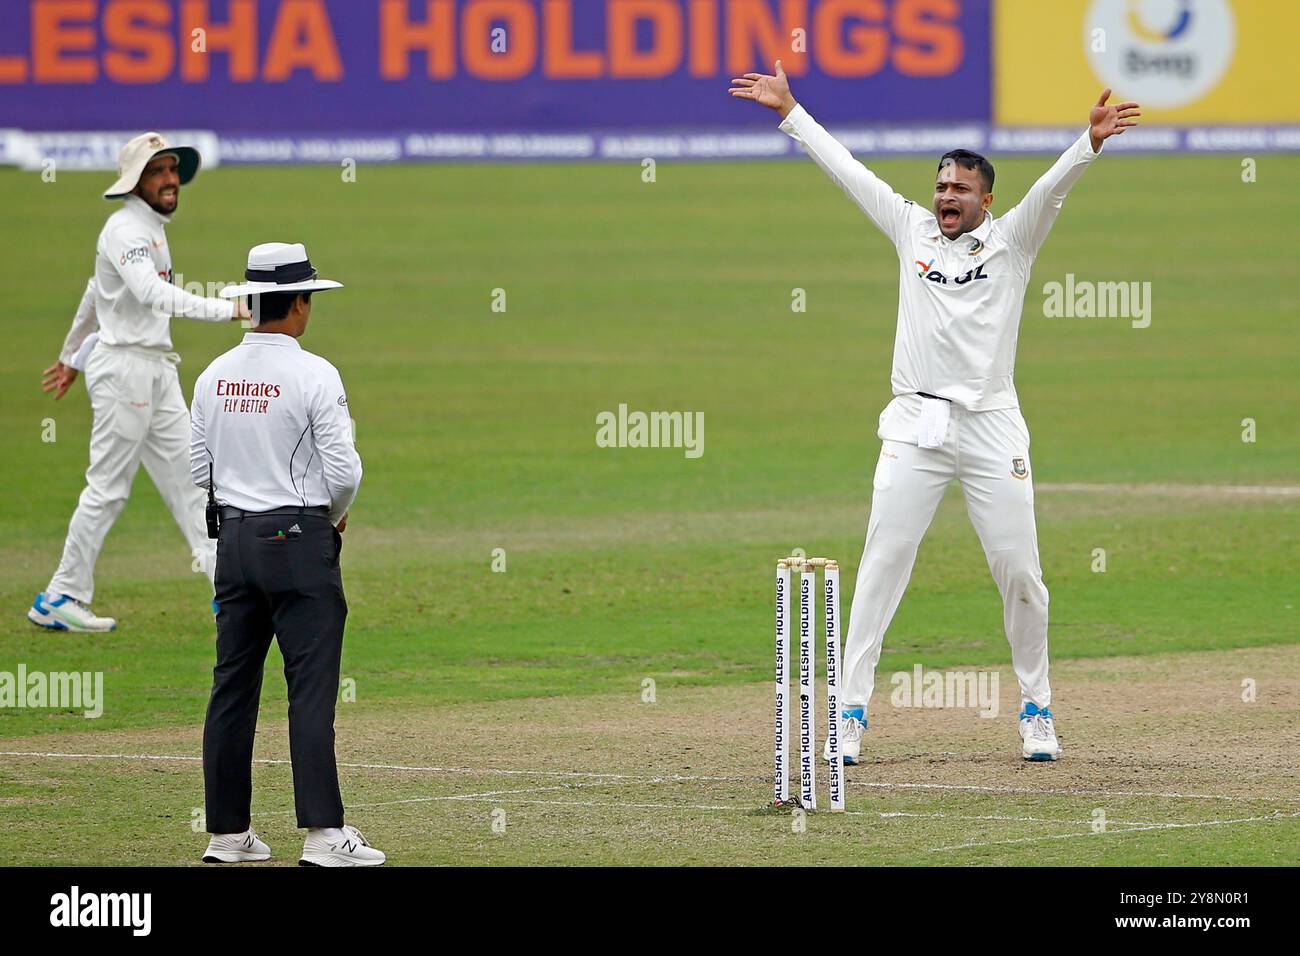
(766, 89)
(1107, 121)
(58, 378)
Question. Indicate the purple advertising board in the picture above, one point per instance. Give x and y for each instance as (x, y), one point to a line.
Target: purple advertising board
(385, 66)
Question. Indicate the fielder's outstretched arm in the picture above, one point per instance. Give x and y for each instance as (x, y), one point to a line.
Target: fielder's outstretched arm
(1028, 224)
(886, 208)
(128, 251)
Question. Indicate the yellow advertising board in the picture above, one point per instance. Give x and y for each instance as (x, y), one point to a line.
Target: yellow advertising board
(1185, 61)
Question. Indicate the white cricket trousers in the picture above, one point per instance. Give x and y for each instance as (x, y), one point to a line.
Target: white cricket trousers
(140, 417)
(988, 452)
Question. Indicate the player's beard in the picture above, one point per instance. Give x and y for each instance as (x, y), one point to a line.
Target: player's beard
(157, 204)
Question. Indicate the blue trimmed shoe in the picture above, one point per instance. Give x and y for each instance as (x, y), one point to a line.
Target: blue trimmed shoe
(66, 613)
(1038, 733)
(852, 723)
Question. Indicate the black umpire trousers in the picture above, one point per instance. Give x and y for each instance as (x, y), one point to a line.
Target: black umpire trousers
(277, 574)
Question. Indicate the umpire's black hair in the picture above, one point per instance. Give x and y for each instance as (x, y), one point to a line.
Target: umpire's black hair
(968, 160)
(272, 306)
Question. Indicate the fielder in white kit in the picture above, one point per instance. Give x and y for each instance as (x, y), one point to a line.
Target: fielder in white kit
(140, 415)
(955, 414)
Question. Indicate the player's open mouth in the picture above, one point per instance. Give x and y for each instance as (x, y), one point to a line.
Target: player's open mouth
(949, 215)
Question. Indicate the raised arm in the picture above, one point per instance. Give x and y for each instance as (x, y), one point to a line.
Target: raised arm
(1028, 224)
(886, 208)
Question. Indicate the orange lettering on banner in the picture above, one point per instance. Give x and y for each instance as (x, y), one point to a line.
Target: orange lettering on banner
(703, 57)
(127, 27)
(302, 38)
(13, 69)
(755, 41)
(560, 61)
(521, 38)
(867, 47)
(665, 53)
(53, 40)
(928, 40)
(237, 37)
(398, 36)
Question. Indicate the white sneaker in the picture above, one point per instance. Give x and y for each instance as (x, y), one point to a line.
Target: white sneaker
(852, 724)
(333, 846)
(236, 848)
(66, 613)
(1038, 733)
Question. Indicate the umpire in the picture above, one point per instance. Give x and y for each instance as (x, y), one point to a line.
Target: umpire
(272, 442)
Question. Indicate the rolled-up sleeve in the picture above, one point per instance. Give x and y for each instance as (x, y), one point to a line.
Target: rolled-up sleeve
(331, 432)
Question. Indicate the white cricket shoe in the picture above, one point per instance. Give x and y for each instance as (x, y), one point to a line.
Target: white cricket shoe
(333, 846)
(66, 613)
(852, 723)
(1038, 733)
(236, 848)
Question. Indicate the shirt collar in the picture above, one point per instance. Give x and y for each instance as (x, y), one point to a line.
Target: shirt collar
(980, 232)
(142, 208)
(270, 338)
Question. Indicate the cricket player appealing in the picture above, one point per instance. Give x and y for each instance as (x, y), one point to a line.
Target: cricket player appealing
(955, 415)
(121, 336)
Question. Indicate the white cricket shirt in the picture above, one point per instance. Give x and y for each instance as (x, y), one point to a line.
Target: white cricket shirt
(130, 299)
(273, 420)
(959, 300)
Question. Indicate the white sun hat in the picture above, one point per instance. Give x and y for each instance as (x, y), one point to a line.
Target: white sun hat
(279, 267)
(135, 156)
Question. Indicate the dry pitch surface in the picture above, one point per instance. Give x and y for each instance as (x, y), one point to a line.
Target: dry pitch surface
(1183, 770)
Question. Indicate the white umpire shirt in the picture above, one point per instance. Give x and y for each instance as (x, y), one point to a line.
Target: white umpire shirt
(130, 299)
(959, 300)
(272, 418)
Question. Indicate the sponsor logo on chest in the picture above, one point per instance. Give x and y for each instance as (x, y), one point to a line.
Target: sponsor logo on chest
(970, 254)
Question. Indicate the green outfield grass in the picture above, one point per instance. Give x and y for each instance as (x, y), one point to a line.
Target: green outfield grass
(477, 429)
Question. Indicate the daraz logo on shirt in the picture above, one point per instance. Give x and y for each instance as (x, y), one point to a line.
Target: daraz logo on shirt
(935, 275)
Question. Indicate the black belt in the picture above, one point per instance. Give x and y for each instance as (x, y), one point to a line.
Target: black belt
(230, 514)
(939, 397)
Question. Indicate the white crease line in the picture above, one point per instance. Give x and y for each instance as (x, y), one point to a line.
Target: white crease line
(486, 795)
(951, 816)
(496, 796)
(631, 778)
(1282, 491)
(1153, 826)
(1083, 792)
(678, 778)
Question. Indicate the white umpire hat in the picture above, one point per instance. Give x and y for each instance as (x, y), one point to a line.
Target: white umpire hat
(279, 267)
(137, 153)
